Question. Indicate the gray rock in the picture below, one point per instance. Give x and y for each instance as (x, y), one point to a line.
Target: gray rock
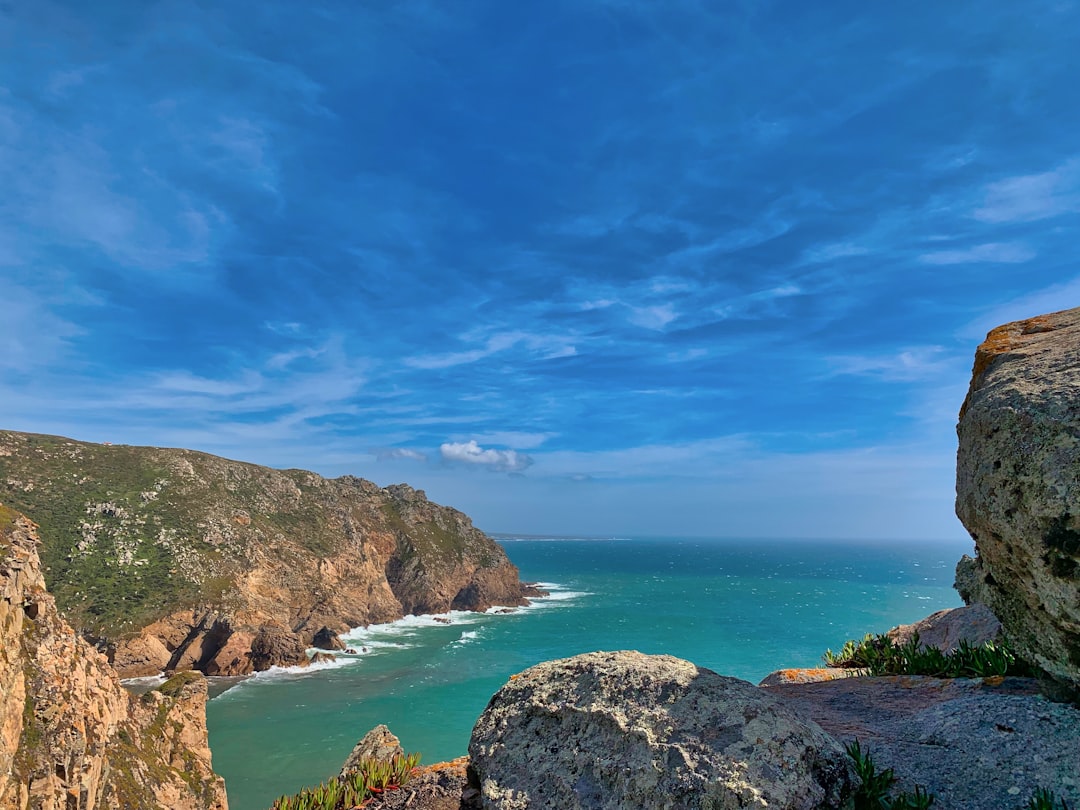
(945, 629)
(1018, 487)
(626, 730)
(975, 744)
(378, 743)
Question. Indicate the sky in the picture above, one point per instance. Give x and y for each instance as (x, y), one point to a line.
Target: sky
(608, 267)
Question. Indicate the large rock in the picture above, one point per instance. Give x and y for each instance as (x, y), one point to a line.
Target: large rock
(626, 730)
(71, 737)
(1018, 487)
(948, 629)
(180, 560)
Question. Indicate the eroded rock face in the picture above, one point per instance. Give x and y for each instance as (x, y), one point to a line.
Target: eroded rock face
(1018, 487)
(201, 554)
(71, 738)
(626, 730)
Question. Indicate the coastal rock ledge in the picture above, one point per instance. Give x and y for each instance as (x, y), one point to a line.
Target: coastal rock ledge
(1018, 487)
(611, 730)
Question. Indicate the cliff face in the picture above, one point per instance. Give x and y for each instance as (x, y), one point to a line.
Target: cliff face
(71, 738)
(1018, 487)
(179, 559)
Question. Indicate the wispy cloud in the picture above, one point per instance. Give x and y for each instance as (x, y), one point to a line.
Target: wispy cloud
(908, 365)
(991, 252)
(547, 347)
(1032, 197)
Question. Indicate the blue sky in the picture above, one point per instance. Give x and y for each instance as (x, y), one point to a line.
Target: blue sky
(602, 266)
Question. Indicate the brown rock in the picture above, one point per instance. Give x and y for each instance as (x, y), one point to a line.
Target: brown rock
(140, 656)
(808, 675)
(1018, 487)
(86, 743)
(277, 646)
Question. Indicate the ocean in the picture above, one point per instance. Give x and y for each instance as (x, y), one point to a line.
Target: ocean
(740, 607)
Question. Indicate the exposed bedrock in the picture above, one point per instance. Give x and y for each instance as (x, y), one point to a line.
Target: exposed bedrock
(71, 737)
(626, 730)
(1018, 487)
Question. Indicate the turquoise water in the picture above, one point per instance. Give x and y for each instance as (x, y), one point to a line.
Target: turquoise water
(743, 608)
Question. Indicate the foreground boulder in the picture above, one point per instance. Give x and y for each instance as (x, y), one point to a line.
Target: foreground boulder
(1018, 487)
(71, 737)
(626, 730)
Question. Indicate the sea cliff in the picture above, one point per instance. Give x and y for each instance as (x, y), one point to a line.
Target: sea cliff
(174, 559)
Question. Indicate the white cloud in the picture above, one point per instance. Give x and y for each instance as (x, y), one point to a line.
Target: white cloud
(993, 252)
(547, 346)
(472, 453)
(1031, 197)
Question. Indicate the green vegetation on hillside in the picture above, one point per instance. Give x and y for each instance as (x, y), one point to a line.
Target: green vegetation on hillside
(133, 534)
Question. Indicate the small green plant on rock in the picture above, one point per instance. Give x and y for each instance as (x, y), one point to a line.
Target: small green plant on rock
(371, 778)
(872, 792)
(1046, 800)
(880, 656)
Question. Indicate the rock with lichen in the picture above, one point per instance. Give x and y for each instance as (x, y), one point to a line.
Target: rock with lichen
(612, 730)
(1018, 487)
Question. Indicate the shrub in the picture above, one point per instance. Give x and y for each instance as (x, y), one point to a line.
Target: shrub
(880, 656)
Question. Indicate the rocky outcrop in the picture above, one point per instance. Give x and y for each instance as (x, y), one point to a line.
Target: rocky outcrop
(379, 744)
(1018, 487)
(172, 559)
(623, 729)
(946, 629)
(71, 738)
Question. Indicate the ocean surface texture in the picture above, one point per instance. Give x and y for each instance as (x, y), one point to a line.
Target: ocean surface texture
(740, 607)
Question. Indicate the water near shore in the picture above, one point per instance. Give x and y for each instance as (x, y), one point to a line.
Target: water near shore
(740, 607)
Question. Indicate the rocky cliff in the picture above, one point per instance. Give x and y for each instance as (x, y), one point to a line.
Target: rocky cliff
(1018, 487)
(71, 738)
(178, 559)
